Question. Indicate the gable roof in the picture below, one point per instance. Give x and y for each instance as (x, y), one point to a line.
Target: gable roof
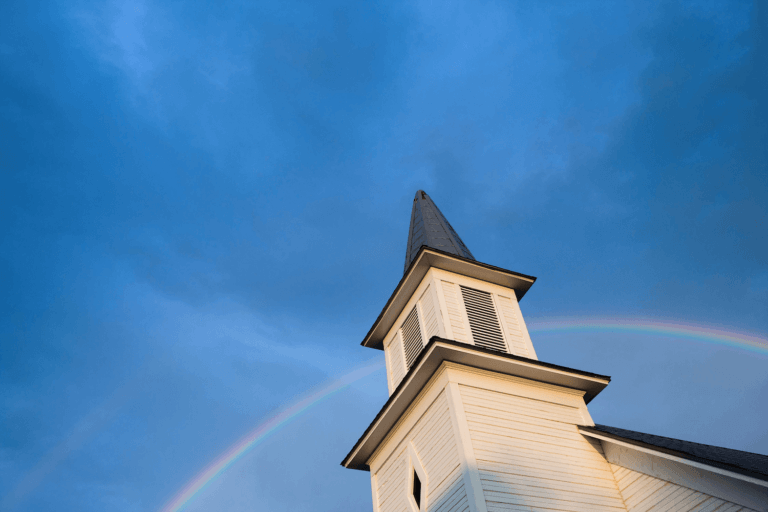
(430, 227)
(745, 463)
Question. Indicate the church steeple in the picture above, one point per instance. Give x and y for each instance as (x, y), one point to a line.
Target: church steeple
(430, 227)
(476, 423)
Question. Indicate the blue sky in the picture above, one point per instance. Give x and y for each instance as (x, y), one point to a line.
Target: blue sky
(205, 206)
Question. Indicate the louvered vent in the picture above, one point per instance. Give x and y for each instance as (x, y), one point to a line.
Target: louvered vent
(483, 320)
(412, 337)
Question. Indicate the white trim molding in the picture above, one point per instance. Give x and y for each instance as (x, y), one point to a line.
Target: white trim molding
(470, 473)
(414, 466)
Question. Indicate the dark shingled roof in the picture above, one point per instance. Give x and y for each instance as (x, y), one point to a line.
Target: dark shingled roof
(430, 227)
(745, 463)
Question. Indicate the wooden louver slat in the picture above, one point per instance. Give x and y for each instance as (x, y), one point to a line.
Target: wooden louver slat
(483, 321)
(412, 337)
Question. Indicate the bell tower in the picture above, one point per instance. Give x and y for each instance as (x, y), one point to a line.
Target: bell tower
(474, 421)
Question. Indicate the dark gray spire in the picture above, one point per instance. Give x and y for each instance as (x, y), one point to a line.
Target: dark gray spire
(430, 227)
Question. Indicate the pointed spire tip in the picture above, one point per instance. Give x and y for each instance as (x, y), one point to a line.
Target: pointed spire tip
(430, 227)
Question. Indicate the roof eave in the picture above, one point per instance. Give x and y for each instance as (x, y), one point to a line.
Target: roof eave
(427, 258)
(715, 466)
(433, 355)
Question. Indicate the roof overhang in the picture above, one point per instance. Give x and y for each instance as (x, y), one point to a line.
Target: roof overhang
(677, 456)
(426, 259)
(433, 355)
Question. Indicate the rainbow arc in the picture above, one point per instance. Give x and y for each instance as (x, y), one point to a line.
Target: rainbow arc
(711, 334)
(718, 335)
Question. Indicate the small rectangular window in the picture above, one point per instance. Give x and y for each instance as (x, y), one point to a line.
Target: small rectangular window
(417, 489)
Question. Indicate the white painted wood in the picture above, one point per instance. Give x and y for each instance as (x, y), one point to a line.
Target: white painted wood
(705, 467)
(470, 473)
(453, 497)
(415, 465)
(463, 310)
(456, 313)
(490, 442)
(484, 379)
(397, 325)
(390, 482)
(429, 313)
(508, 339)
(740, 492)
(422, 325)
(426, 429)
(532, 389)
(416, 410)
(442, 312)
(395, 359)
(642, 493)
(513, 326)
(529, 452)
(523, 328)
(374, 493)
(513, 332)
(388, 357)
(441, 326)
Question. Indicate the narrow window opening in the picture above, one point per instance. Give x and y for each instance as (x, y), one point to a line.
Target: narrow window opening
(417, 489)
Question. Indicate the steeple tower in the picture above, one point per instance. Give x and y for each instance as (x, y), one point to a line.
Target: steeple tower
(474, 421)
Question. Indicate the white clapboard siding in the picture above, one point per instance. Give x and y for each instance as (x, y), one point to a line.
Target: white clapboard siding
(450, 496)
(530, 455)
(391, 482)
(436, 447)
(395, 361)
(429, 311)
(516, 338)
(455, 311)
(433, 441)
(643, 493)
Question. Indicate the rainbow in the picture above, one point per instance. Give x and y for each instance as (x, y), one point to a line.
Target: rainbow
(261, 432)
(718, 335)
(713, 334)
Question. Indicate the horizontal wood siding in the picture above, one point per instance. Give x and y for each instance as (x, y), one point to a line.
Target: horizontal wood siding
(434, 443)
(515, 337)
(436, 447)
(450, 496)
(643, 493)
(530, 455)
(391, 482)
(455, 311)
(430, 315)
(395, 362)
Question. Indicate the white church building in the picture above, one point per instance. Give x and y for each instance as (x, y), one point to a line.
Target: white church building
(475, 422)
